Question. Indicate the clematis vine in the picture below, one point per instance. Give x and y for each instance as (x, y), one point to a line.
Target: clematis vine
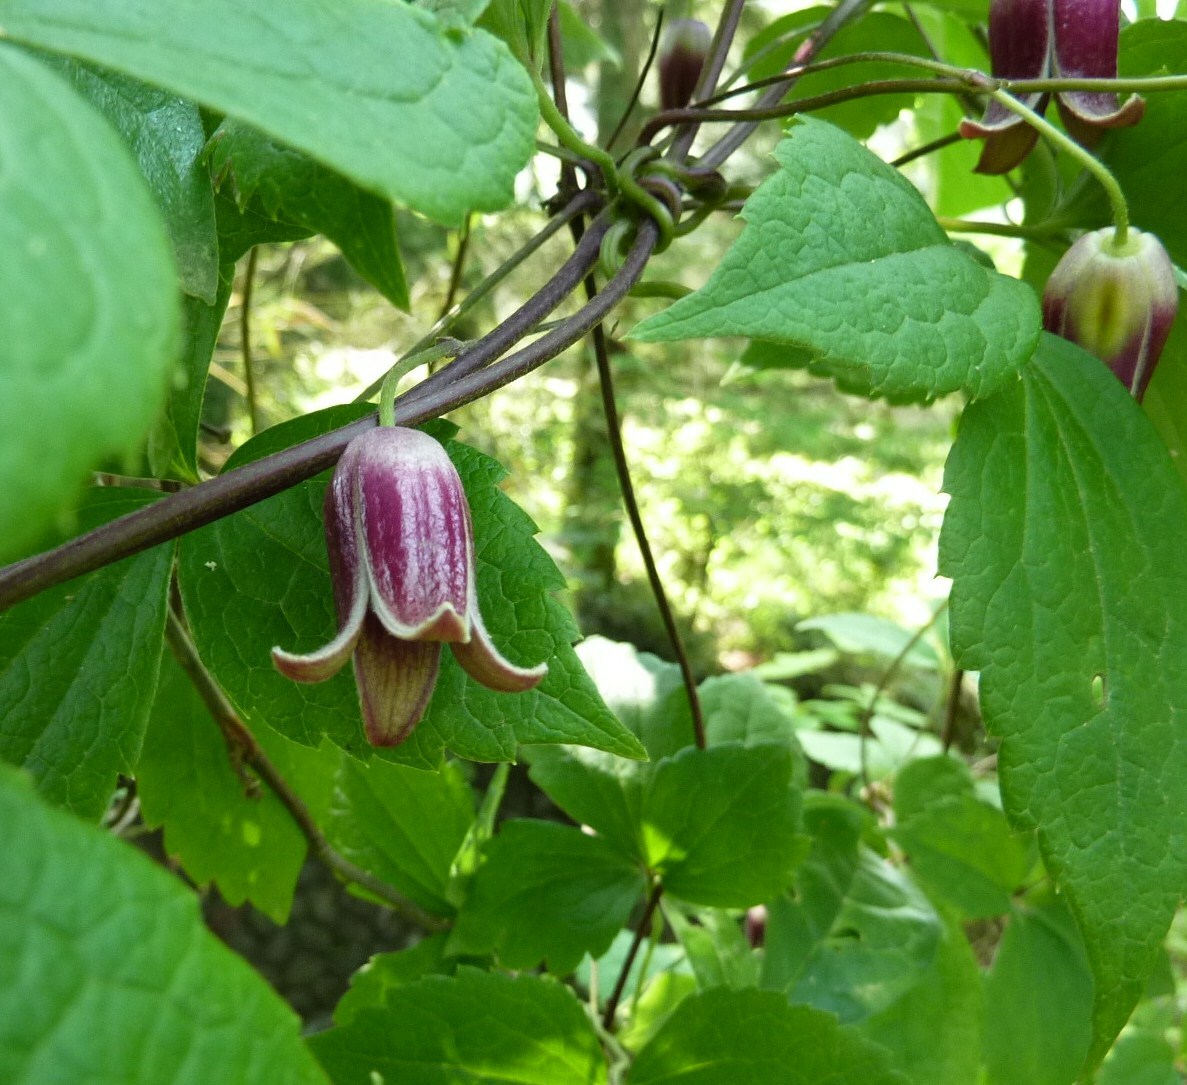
(402, 565)
(1038, 39)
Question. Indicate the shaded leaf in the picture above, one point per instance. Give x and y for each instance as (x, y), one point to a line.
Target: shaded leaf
(1063, 539)
(89, 314)
(547, 893)
(370, 985)
(842, 259)
(105, 964)
(79, 666)
(438, 122)
(724, 1037)
(476, 1027)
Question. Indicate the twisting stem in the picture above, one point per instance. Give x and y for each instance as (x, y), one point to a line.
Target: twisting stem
(719, 48)
(459, 265)
(640, 933)
(560, 94)
(245, 748)
(643, 72)
(863, 723)
(1089, 161)
(446, 348)
(626, 487)
(223, 495)
(249, 377)
(570, 138)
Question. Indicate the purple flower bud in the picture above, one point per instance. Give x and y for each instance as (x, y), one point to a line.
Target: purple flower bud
(1034, 39)
(1116, 302)
(686, 44)
(401, 550)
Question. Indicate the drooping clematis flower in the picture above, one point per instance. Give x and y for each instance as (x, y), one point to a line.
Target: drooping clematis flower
(402, 565)
(1117, 302)
(1036, 39)
(682, 56)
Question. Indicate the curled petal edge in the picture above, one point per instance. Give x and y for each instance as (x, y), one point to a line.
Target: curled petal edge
(327, 661)
(483, 662)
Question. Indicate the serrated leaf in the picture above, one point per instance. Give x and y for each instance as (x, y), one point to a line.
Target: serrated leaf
(242, 228)
(260, 578)
(292, 187)
(719, 826)
(1063, 539)
(166, 136)
(477, 1027)
(961, 848)
(106, 969)
(724, 1037)
(1041, 992)
(374, 90)
(78, 669)
(89, 313)
(549, 893)
(405, 825)
(858, 935)
(717, 948)
(841, 258)
(933, 1033)
(244, 841)
(370, 985)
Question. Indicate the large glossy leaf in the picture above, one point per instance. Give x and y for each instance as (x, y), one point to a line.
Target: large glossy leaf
(108, 975)
(260, 578)
(78, 669)
(842, 262)
(549, 893)
(292, 187)
(88, 306)
(222, 825)
(165, 134)
(405, 825)
(372, 89)
(1064, 541)
(724, 1037)
(477, 1027)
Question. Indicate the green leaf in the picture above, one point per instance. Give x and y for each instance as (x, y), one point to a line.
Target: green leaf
(867, 635)
(78, 669)
(1064, 542)
(724, 1037)
(716, 946)
(242, 839)
(166, 136)
(376, 91)
(961, 848)
(173, 443)
(549, 893)
(1144, 156)
(875, 31)
(841, 258)
(1165, 402)
(405, 825)
(483, 1028)
(89, 320)
(373, 90)
(241, 228)
(370, 985)
(292, 187)
(1041, 993)
(581, 44)
(107, 971)
(933, 1033)
(522, 24)
(261, 578)
(719, 825)
(858, 935)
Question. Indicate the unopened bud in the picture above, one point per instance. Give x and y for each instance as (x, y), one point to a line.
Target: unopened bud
(1116, 301)
(685, 46)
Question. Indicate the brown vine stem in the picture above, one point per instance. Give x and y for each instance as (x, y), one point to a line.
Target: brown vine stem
(723, 37)
(643, 72)
(626, 487)
(951, 707)
(249, 376)
(640, 933)
(177, 514)
(245, 749)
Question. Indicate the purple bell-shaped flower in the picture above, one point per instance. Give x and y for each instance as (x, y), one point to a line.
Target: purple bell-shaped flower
(401, 550)
(1116, 301)
(685, 46)
(1034, 39)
